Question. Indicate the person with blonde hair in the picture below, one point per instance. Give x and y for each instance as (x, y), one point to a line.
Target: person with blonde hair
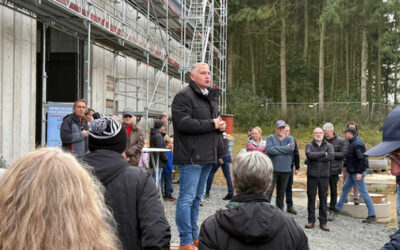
(49, 201)
(256, 143)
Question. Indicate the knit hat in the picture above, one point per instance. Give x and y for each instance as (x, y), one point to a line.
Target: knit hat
(107, 133)
(158, 124)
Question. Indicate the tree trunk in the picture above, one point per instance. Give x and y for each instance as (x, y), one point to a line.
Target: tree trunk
(305, 48)
(230, 61)
(334, 63)
(321, 68)
(370, 76)
(253, 73)
(346, 38)
(364, 60)
(283, 68)
(379, 69)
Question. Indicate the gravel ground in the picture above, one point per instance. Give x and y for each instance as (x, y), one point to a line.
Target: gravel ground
(346, 232)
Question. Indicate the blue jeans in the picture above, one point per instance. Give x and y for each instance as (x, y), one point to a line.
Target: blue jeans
(192, 185)
(398, 206)
(167, 184)
(362, 188)
(227, 173)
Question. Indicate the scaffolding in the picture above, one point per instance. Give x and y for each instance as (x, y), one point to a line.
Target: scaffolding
(167, 35)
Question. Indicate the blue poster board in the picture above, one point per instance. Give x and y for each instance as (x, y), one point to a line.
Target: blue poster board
(55, 115)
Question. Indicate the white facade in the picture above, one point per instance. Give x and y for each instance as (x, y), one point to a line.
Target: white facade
(18, 83)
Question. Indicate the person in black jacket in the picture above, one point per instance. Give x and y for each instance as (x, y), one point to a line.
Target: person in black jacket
(157, 141)
(130, 192)
(196, 125)
(74, 130)
(295, 167)
(250, 222)
(356, 164)
(340, 148)
(319, 153)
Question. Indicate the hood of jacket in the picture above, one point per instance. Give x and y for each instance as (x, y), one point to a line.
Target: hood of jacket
(107, 164)
(251, 219)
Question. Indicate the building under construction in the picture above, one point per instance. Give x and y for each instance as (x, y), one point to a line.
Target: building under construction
(113, 53)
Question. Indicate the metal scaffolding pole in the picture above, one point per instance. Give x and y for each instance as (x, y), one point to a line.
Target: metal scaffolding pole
(44, 86)
(147, 71)
(166, 66)
(88, 87)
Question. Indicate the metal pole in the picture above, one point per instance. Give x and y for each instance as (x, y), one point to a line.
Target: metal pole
(88, 87)
(166, 70)
(44, 86)
(147, 70)
(184, 42)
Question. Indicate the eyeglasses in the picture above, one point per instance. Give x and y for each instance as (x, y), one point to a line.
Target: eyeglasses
(127, 116)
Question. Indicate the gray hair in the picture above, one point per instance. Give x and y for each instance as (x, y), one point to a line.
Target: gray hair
(252, 172)
(287, 126)
(328, 126)
(194, 66)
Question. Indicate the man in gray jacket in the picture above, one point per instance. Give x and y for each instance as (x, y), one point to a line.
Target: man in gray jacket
(280, 149)
(74, 130)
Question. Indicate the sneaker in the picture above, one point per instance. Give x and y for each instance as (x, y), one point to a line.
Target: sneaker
(291, 210)
(310, 225)
(324, 227)
(228, 197)
(356, 201)
(370, 219)
(207, 195)
(331, 215)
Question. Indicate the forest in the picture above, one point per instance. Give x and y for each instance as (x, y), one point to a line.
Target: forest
(310, 61)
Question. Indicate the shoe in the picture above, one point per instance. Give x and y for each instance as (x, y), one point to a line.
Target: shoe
(228, 197)
(196, 242)
(207, 195)
(331, 215)
(310, 225)
(291, 210)
(189, 246)
(370, 219)
(324, 227)
(356, 201)
(201, 203)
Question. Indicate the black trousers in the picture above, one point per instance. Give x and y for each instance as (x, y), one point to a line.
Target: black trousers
(289, 196)
(280, 180)
(333, 181)
(320, 184)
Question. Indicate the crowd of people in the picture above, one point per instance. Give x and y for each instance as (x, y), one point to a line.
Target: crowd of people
(327, 155)
(99, 194)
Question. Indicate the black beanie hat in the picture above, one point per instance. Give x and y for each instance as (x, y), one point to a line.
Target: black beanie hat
(158, 124)
(107, 133)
